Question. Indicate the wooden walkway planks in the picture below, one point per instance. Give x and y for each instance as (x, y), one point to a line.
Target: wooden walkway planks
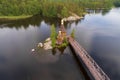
(92, 66)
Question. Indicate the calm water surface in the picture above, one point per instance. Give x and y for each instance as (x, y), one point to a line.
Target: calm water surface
(99, 34)
(17, 62)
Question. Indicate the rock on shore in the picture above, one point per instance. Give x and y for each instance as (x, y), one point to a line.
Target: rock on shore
(46, 45)
(73, 17)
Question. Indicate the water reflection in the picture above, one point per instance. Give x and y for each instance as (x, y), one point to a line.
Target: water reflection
(97, 11)
(107, 49)
(99, 35)
(17, 62)
(57, 66)
(24, 23)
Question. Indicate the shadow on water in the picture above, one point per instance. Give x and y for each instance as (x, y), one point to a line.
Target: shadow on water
(105, 50)
(81, 65)
(61, 50)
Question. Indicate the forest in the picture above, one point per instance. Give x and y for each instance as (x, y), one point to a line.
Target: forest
(116, 3)
(52, 8)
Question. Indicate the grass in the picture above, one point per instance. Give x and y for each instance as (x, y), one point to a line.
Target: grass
(15, 17)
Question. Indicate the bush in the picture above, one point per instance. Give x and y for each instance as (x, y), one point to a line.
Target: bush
(73, 33)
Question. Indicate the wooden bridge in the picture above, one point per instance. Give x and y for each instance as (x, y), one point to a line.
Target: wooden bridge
(96, 72)
(92, 66)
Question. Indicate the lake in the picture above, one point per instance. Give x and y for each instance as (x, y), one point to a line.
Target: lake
(98, 33)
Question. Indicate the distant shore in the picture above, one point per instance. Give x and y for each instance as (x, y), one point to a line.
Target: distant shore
(14, 17)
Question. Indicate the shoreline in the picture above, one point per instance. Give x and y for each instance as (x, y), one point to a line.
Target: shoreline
(72, 17)
(15, 17)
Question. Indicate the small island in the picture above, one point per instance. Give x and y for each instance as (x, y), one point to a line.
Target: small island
(56, 40)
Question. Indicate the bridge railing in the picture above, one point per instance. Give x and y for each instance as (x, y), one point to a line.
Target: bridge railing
(92, 66)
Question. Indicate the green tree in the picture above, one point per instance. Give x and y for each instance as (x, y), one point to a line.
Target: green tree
(64, 12)
(52, 8)
(53, 35)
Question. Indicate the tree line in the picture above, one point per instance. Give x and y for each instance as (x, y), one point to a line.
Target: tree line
(51, 8)
(116, 3)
